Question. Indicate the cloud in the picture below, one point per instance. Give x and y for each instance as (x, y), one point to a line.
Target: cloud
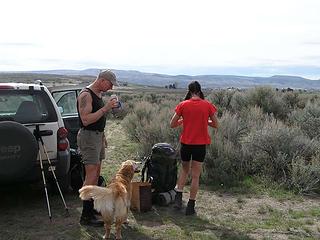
(312, 43)
(18, 44)
(313, 58)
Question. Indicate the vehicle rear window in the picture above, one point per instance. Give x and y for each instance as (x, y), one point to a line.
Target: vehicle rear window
(26, 106)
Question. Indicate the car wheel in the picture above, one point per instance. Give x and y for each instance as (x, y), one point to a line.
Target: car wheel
(18, 150)
(63, 181)
(77, 177)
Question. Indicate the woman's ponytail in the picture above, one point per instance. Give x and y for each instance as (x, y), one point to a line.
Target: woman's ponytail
(188, 95)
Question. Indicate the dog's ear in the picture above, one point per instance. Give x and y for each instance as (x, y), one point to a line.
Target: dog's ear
(127, 170)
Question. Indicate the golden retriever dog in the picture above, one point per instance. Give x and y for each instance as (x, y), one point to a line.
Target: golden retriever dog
(113, 201)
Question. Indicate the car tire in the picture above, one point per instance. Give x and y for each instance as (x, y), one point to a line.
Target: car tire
(76, 171)
(18, 150)
(64, 184)
(77, 177)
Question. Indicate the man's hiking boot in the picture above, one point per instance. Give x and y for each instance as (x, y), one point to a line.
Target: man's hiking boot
(96, 213)
(88, 217)
(91, 221)
(190, 208)
(178, 201)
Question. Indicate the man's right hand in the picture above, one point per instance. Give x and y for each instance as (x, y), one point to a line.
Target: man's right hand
(112, 103)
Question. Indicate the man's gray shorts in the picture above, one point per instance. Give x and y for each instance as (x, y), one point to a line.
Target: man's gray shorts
(91, 146)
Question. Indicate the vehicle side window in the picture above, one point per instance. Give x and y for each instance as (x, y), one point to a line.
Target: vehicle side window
(67, 101)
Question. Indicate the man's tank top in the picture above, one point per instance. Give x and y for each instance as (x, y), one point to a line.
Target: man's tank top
(97, 103)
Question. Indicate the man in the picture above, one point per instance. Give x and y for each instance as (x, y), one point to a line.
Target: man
(91, 140)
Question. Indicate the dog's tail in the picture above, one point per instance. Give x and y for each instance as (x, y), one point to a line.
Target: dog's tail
(94, 192)
(102, 197)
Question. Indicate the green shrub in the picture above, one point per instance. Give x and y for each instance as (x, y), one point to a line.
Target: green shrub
(224, 162)
(308, 119)
(221, 99)
(305, 176)
(227, 161)
(148, 124)
(269, 100)
(273, 148)
(254, 117)
(292, 100)
(239, 102)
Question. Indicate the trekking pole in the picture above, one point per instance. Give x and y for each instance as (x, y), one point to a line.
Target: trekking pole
(38, 134)
(45, 185)
(54, 176)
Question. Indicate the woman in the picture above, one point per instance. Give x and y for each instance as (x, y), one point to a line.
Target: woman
(195, 115)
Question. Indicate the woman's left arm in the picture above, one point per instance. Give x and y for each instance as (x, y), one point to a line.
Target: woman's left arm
(213, 121)
(175, 121)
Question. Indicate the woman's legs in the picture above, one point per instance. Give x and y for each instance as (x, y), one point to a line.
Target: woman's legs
(187, 153)
(184, 172)
(196, 168)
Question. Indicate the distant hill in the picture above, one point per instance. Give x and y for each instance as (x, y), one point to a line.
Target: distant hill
(207, 81)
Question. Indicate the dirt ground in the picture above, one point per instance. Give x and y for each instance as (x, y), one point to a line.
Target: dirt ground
(24, 215)
(264, 217)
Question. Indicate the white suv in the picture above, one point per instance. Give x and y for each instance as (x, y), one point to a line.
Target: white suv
(24, 108)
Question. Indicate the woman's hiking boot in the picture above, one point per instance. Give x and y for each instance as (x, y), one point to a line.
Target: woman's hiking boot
(190, 208)
(178, 201)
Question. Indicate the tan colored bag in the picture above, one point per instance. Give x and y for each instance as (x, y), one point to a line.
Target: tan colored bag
(141, 196)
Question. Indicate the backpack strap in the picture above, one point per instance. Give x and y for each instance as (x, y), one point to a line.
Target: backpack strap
(146, 165)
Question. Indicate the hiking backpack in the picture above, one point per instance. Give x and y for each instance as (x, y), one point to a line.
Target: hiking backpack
(161, 169)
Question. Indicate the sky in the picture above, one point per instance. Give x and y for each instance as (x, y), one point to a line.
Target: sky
(238, 37)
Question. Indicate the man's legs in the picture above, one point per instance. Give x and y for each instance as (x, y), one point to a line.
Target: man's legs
(90, 145)
(92, 176)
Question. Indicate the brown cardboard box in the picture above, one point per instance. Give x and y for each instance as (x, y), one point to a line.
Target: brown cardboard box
(141, 196)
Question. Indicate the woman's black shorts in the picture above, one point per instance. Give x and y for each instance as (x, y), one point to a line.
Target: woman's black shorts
(193, 152)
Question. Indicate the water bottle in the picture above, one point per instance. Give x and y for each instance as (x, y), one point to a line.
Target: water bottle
(114, 96)
(118, 107)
